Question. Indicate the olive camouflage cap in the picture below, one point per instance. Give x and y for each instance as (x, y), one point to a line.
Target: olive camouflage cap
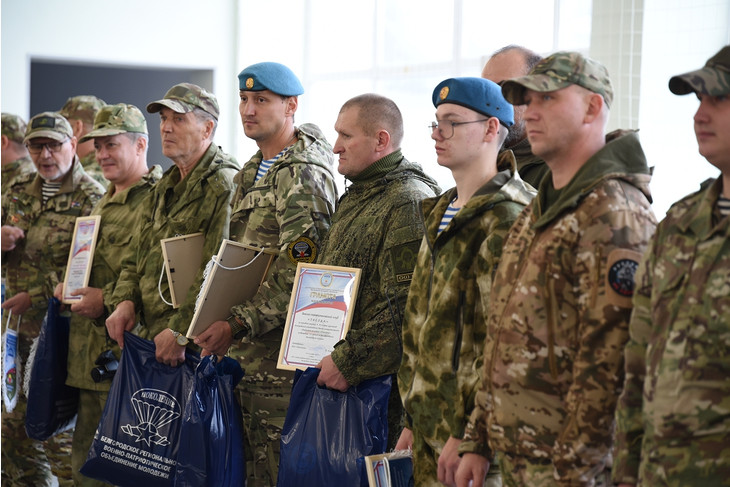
(713, 79)
(13, 127)
(184, 97)
(559, 71)
(48, 124)
(82, 107)
(117, 119)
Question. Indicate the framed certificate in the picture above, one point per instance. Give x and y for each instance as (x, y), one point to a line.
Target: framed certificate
(81, 256)
(182, 256)
(319, 315)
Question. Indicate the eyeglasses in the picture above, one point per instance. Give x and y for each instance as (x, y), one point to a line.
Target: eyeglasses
(52, 146)
(446, 127)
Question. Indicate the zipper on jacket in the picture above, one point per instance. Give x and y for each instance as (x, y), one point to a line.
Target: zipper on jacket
(459, 331)
(552, 320)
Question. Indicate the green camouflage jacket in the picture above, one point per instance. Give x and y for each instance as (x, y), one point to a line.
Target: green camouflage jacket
(376, 228)
(198, 203)
(291, 205)
(531, 167)
(93, 168)
(558, 319)
(39, 261)
(119, 213)
(672, 418)
(444, 326)
(12, 170)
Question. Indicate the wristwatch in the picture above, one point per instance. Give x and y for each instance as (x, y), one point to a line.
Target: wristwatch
(181, 339)
(239, 329)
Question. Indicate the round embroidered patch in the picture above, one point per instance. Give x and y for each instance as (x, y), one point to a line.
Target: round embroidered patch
(302, 250)
(621, 277)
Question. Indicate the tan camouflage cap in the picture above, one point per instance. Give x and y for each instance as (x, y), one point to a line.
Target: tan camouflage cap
(13, 127)
(48, 124)
(82, 107)
(559, 71)
(117, 119)
(182, 98)
(713, 79)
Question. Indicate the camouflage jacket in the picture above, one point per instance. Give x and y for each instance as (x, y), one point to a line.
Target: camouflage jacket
(39, 261)
(558, 320)
(444, 326)
(198, 203)
(13, 170)
(531, 167)
(93, 168)
(291, 205)
(119, 213)
(376, 228)
(677, 393)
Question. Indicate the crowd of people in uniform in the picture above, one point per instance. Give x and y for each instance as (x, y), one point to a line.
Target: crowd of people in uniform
(540, 326)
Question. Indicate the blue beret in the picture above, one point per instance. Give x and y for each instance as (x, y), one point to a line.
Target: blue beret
(478, 94)
(274, 77)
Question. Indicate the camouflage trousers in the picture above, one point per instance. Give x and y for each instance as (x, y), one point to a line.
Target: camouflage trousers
(91, 405)
(425, 465)
(518, 471)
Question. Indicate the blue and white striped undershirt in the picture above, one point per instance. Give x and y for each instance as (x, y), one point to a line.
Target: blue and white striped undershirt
(451, 210)
(266, 164)
(723, 204)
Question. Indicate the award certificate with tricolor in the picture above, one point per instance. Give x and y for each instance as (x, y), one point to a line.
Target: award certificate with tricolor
(81, 256)
(319, 315)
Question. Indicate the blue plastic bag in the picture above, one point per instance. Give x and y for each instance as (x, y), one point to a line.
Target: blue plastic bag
(211, 439)
(137, 440)
(52, 405)
(326, 431)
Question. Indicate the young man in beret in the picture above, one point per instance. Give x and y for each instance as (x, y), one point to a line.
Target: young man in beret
(80, 112)
(444, 325)
(285, 197)
(672, 416)
(558, 314)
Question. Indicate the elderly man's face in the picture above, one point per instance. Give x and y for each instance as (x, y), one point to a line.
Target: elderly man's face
(182, 134)
(52, 159)
(712, 127)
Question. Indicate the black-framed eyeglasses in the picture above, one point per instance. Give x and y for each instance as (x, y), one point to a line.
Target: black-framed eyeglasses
(446, 127)
(55, 146)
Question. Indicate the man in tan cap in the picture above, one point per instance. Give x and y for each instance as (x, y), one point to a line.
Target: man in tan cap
(561, 299)
(80, 112)
(38, 217)
(14, 155)
(193, 196)
(120, 139)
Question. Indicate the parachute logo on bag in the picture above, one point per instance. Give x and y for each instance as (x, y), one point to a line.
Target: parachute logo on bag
(154, 410)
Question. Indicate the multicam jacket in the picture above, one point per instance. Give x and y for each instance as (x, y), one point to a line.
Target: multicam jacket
(13, 170)
(376, 228)
(119, 213)
(558, 319)
(198, 203)
(38, 262)
(672, 418)
(444, 326)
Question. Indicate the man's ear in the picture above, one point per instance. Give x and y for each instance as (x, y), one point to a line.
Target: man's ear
(292, 103)
(492, 129)
(383, 137)
(594, 106)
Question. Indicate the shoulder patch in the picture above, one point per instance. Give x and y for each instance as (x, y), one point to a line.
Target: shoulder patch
(403, 258)
(302, 250)
(621, 267)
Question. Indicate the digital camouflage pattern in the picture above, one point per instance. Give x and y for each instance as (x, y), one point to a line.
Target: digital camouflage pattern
(82, 107)
(672, 417)
(292, 203)
(559, 71)
(12, 170)
(558, 322)
(198, 203)
(13, 127)
(713, 79)
(36, 265)
(384, 199)
(184, 97)
(444, 326)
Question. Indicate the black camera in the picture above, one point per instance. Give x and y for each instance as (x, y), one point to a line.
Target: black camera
(106, 366)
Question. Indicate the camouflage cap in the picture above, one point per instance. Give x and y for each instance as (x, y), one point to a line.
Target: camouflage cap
(713, 79)
(117, 119)
(48, 124)
(559, 71)
(184, 97)
(82, 107)
(13, 127)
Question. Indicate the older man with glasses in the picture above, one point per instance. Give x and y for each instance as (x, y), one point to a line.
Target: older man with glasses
(38, 216)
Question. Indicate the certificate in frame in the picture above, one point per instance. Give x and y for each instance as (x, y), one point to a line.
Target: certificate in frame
(81, 256)
(320, 312)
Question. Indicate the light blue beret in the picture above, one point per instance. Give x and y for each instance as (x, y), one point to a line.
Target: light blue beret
(478, 94)
(270, 76)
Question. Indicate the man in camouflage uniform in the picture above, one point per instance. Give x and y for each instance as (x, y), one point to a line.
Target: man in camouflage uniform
(376, 228)
(192, 196)
(80, 112)
(444, 325)
(39, 213)
(15, 159)
(120, 139)
(558, 316)
(510, 62)
(672, 417)
(286, 208)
